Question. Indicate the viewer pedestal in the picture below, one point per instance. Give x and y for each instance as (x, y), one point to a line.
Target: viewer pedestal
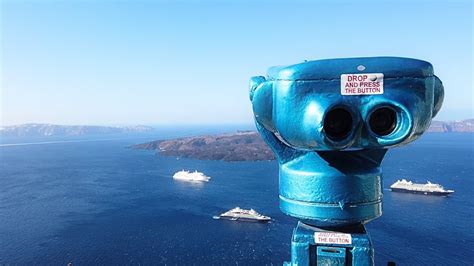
(311, 245)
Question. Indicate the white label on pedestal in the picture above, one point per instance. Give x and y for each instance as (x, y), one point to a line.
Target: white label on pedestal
(362, 84)
(332, 238)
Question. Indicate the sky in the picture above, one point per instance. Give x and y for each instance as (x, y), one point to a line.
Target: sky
(189, 62)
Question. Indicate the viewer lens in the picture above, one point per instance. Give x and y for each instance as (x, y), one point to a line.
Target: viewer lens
(337, 124)
(383, 121)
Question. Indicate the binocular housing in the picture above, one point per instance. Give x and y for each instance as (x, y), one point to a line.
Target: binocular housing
(330, 122)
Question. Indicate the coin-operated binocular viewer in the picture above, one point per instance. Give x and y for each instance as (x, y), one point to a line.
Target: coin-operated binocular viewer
(330, 122)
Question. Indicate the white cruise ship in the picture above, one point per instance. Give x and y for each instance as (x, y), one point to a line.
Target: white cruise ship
(427, 189)
(191, 176)
(244, 215)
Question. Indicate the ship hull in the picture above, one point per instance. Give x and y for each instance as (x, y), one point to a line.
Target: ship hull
(243, 219)
(435, 193)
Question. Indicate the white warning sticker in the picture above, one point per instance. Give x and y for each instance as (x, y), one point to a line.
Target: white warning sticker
(332, 238)
(362, 84)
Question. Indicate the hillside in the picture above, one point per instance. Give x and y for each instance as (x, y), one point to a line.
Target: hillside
(242, 146)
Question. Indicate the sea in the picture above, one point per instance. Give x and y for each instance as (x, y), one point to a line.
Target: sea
(95, 201)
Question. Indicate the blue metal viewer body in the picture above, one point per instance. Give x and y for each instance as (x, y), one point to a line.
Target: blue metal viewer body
(330, 123)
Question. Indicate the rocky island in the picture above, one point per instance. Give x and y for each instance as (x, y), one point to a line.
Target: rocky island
(248, 145)
(240, 146)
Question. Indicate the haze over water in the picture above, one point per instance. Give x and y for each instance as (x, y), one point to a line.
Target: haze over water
(98, 202)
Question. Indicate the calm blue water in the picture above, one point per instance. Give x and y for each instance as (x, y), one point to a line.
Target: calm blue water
(98, 202)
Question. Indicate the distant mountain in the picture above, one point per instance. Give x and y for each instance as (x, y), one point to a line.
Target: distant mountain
(248, 145)
(30, 130)
(77, 130)
(452, 126)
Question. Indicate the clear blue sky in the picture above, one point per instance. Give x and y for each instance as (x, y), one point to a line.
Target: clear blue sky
(189, 62)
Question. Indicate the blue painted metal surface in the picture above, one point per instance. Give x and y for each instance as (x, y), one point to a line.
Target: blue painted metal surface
(306, 251)
(333, 180)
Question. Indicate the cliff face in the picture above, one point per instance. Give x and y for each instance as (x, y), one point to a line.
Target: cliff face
(30, 130)
(453, 126)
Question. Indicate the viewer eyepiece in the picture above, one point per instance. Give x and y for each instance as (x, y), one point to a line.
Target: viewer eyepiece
(383, 121)
(337, 124)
